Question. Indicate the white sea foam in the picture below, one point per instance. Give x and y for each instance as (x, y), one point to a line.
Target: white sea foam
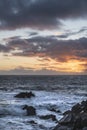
(14, 118)
(60, 93)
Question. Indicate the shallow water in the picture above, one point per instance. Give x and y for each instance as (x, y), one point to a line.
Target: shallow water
(60, 93)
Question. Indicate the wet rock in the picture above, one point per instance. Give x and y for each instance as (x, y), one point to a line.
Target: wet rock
(25, 95)
(32, 122)
(84, 119)
(76, 108)
(67, 112)
(58, 127)
(67, 119)
(31, 111)
(84, 105)
(46, 117)
(77, 124)
(80, 107)
(76, 119)
(55, 110)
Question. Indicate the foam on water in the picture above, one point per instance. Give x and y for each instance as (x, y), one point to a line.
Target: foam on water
(58, 92)
(13, 117)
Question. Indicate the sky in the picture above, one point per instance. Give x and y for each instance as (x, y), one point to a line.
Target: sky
(43, 37)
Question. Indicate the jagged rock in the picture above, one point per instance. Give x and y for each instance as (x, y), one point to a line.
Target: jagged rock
(67, 119)
(84, 105)
(76, 108)
(76, 119)
(67, 112)
(46, 117)
(31, 111)
(25, 95)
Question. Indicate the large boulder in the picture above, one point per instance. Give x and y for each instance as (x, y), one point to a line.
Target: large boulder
(74, 119)
(25, 95)
(31, 111)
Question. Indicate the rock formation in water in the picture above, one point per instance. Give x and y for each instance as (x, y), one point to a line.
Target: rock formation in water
(25, 95)
(31, 111)
(74, 119)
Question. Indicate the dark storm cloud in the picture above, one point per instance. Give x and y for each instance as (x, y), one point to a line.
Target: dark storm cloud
(49, 47)
(4, 48)
(39, 13)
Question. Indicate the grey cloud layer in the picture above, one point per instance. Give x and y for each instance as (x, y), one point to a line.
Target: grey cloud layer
(22, 71)
(5, 49)
(71, 33)
(39, 13)
(60, 50)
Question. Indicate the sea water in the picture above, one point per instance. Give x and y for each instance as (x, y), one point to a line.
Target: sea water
(57, 92)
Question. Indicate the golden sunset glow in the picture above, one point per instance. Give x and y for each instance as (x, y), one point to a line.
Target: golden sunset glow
(36, 63)
(70, 66)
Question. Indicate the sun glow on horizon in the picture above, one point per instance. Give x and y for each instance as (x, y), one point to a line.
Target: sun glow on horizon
(35, 64)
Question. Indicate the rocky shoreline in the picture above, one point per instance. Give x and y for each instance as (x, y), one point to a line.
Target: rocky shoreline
(74, 119)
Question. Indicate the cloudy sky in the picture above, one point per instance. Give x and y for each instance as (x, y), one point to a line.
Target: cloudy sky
(43, 37)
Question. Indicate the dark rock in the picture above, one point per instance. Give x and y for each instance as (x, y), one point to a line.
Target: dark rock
(84, 105)
(30, 110)
(58, 127)
(76, 108)
(76, 119)
(84, 119)
(25, 95)
(55, 110)
(78, 123)
(32, 122)
(46, 117)
(67, 119)
(84, 122)
(67, 112)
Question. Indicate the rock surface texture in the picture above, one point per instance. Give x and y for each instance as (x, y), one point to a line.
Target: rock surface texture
(25, 95)
(74, 119)
(31, 111)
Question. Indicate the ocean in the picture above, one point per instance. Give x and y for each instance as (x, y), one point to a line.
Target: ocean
(57, 93)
